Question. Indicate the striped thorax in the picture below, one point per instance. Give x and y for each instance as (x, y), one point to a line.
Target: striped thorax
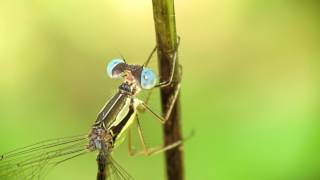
(118, 114)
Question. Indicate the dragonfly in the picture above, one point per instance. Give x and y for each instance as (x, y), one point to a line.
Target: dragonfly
(111, 127)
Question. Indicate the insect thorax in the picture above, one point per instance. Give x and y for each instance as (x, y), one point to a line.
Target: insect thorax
(100, 139)
(130, 88)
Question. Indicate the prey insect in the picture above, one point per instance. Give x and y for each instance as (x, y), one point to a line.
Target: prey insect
(110, 129)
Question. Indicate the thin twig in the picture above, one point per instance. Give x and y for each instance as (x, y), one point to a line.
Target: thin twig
(164, 19)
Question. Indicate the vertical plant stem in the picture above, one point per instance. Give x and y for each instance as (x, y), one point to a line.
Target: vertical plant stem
(165, 27)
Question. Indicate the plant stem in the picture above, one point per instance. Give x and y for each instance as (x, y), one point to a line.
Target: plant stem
(165, 27)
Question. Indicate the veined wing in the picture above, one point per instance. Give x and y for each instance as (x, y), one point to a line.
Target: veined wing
(34, 161)
(114, 171)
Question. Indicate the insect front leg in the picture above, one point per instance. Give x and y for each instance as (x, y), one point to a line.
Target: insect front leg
(174, 57)
(173, 68)
(150, 56)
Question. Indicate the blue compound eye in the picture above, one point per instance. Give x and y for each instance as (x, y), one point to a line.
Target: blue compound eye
(111, 68)
(148, 78)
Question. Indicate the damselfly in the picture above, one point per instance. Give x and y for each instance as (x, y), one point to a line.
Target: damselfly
(110, 129)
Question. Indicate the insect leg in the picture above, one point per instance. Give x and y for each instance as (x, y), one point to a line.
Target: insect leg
(142, 141)
(156, 150)
(168, 108)
(150, 56)
(130, 150)
(174, 57)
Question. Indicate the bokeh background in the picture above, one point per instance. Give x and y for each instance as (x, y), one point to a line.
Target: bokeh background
(250, 83)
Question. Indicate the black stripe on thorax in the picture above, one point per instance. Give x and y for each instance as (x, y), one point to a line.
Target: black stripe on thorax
(109, 113)
(117, 129)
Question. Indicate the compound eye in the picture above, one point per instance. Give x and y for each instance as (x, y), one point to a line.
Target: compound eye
(113, 69)
(148, 78)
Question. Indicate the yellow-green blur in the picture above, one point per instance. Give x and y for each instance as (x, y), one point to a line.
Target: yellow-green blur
(250, 87)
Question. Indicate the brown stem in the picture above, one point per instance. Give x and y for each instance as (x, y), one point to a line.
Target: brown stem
(165, 27)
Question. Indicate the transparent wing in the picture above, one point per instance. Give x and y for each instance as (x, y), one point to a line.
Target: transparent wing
(34, 161)
(115, 172)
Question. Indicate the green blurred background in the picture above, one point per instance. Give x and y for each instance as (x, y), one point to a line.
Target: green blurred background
(250, 84)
